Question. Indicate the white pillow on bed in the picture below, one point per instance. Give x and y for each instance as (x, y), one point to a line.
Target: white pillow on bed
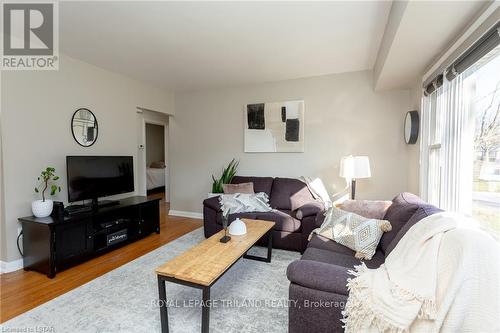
(157, 165)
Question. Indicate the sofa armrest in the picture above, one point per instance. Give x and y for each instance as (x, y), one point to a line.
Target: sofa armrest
(309, 209)
(318, 275)
(212, 203)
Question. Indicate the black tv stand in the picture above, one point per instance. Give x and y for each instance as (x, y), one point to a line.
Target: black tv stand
(104, 203)
(52, 244)
(95, 205)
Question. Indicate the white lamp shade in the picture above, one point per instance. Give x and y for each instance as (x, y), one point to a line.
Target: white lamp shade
(354, 167)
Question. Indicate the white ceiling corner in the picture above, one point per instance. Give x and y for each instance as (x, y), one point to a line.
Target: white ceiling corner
(425, 29)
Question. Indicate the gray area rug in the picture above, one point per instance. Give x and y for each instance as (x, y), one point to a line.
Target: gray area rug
(251, 297)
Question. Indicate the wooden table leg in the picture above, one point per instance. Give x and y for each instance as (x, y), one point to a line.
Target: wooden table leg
(163, 304)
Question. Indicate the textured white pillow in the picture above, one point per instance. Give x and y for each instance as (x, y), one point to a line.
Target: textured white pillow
(358, 233)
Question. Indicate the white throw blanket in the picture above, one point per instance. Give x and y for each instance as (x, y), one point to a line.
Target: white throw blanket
(242, 202)
(318, 190)
(443, 276)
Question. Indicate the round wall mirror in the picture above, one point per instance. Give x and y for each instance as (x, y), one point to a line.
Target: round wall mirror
(411, 127)
(84, 127)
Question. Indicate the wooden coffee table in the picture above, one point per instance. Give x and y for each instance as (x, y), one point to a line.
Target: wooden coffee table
(203, 264)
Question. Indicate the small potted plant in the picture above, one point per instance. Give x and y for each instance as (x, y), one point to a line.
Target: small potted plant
(43, 208)
(226, 177)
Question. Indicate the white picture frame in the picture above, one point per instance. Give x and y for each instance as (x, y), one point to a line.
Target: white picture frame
(274, 127)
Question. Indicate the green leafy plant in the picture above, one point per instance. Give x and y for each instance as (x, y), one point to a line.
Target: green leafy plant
(226, 177)
(47, 178)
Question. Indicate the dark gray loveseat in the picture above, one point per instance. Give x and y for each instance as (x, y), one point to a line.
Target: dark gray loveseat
(295, 211)
(318, 280)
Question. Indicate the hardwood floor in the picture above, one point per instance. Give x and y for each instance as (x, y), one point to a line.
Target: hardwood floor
(21, 291)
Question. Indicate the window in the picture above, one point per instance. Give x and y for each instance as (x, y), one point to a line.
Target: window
(434, 147)
(484, 80)
(460, 142)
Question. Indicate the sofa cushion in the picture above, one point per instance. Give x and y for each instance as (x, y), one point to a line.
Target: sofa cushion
(284, 220)
(319, 276)
(422, 212)
(260, 184)
(309, 209)
(323, 243)
(290, 194)
(329, 257)
(235, 216)
(345, 260)
(404, 205)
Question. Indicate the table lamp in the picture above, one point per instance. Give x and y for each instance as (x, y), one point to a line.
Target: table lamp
(354, 167)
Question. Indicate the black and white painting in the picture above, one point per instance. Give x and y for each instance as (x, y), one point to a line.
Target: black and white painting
(274, 127)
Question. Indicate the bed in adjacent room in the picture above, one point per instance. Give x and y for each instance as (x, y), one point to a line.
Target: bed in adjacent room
(155, 176)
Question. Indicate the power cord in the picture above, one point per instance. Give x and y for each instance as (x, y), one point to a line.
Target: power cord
(19, 248)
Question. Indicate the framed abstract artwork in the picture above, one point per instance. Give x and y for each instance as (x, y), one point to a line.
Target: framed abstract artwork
(276, 127)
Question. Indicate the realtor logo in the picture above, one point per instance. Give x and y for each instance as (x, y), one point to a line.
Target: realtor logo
(30, 36)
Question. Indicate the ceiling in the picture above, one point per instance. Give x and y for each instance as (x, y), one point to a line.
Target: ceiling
(424, 30)
(186, 46)
(189, 46)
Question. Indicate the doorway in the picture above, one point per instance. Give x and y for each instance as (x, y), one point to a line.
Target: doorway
(156, 159)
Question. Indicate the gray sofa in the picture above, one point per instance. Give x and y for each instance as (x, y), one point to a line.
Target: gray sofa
(318, 280)
(295, 211)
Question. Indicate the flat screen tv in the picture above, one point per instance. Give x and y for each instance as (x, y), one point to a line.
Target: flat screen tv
(92, 177)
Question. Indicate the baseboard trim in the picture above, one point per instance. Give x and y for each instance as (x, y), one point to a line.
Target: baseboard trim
(182, 213)
(10, 266)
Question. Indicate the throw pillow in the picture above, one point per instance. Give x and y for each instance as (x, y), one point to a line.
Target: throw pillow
(404, 205)
(157, 165)
(238, 188)
(354, 231)
(372, 209)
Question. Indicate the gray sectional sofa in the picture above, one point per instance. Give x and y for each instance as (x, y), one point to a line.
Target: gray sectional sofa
(318, 280)
(295, 211)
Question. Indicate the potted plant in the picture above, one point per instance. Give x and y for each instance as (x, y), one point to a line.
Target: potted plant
(47, 178)
(226, 177)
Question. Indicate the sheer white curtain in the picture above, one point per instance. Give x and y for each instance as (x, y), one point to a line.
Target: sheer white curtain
(446, 147)
(456, 187)
(425, 129)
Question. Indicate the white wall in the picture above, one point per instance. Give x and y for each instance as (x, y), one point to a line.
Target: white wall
(36, 112)
(343, 115)
(3, 247)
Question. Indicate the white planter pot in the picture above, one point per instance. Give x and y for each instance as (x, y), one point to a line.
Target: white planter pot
(42, 208)
(211, 195)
